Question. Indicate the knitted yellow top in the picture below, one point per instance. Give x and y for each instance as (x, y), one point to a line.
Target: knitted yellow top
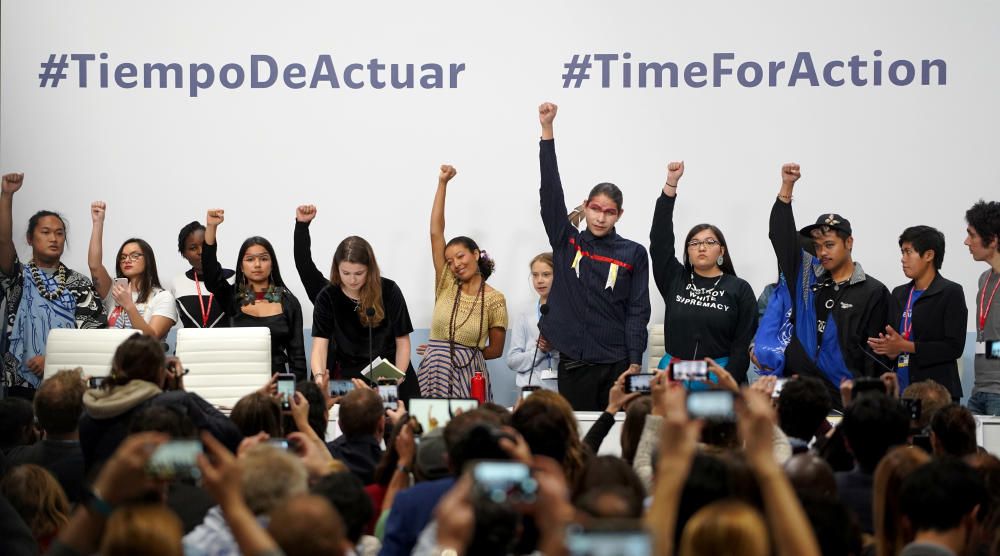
(467, 321)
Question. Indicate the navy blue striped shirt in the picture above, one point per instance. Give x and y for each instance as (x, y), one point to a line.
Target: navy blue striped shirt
(587, 320)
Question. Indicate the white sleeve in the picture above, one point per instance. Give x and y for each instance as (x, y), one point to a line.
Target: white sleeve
(519, 356)
(162, 304)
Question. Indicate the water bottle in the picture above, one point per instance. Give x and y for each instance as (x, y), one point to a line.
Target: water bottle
(478, 387)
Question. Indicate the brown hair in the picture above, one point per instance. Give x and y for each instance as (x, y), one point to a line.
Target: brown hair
(545, 257)
(257, 412)
(635, 419)
(139, 357)
(38, 499)
(147, 528)
(308, 524)
(356, 250)
(59, 401)
(890, 533)
(360, 411)
(547, 422)
(726, 527)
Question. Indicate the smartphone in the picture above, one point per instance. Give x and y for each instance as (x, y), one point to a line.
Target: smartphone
(95, 382)
(432, 413)
(121, 282)
(779, 384)
(601, 542)
(504, 482)
(914, 407)
(641, 383)
(176, 459)
(689, 370)
(529, 390)
(993, 349)
(340, 387)
(711, 404)
(867, 384)
(286, 390)
(389, 395)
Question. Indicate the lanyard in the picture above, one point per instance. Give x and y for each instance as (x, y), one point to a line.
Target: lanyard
(201, 302)
(908, 315)
(113, 317)
(985, 310)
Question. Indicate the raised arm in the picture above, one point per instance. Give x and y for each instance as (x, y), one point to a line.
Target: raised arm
(215, 281)
(782, 231)
(661, 234)
(312, 278)
(95, 252)
(437, 218)
(8, 254)
(553, 201)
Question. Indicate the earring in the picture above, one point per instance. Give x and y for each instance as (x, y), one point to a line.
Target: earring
(720, 261)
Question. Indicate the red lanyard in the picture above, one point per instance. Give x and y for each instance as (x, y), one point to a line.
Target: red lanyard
(201, 302)
(908, 316)
(984, 311)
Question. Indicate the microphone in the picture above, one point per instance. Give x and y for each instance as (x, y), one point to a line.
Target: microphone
(544, 310)
(873, 357)
(370, 312)
(697, 342)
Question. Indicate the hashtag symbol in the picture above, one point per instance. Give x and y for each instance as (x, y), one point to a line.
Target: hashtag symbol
(53, 71)
(576, 71)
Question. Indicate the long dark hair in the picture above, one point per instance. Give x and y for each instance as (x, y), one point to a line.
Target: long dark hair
(241, 278)
(150, 277)
(727, 262)
(356, 250)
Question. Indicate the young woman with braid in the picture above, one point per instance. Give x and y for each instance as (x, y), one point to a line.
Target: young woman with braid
(469, 324)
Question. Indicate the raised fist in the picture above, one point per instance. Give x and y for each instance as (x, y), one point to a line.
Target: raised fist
(447, 172)
(674, 172)
(215, 217)
(790, 173)
(305, 213)
(12, 182)
(97, 210)
(547, 113)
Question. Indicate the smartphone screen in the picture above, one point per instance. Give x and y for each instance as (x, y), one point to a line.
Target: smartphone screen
(993, 349)
(778, 386)
(389, 395)
(601, 543)
(529, 390)
(340, 387)
(121, 282)
(95, 382)
(711, 404)
(286, 390)
(504, 482)
(639, 383)
(176, 459)
(689, 370)
(432, 413)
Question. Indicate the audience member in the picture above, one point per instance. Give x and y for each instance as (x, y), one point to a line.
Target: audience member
(891, 534)
(38, 499)
(362, 425)
(941, 500)
(953, 432)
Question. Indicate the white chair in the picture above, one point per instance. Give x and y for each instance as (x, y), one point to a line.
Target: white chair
(656, 348)
(90, 349)
(225, 363)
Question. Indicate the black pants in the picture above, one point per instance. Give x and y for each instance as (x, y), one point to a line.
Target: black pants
(586, 385)
(21, 392)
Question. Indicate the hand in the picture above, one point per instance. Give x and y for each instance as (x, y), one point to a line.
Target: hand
(547, 113)
(552, 509)
(124, 477)
(765, 385)
(678, 434)
(305, 213)
(790, 173)
(361, 384)
(455, 516)
(215, 217)
(756, 363)
(726, 380)
(300, 408)
(396, 414)
(846, 391)
(447, 173)
(250, 442)
(221, 472)
(756, 427)
(174, 377)
(634, 368)
(422, 350)
(271, 388)
(674, 172)
(617, 398)
(890, 344)
(543, 345)
(518, 448)
(36, 365)
(891, 382)
(123, 295)
(659, 385)
(97, 210)
(406, 446)
(12, 183)
(313, 452)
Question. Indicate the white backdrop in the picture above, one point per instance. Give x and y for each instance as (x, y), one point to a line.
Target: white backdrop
(886, 157)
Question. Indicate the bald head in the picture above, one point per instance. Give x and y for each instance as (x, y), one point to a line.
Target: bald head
(308, 524)
(811, 473)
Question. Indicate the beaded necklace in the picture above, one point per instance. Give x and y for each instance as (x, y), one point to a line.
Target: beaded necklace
(39, 280)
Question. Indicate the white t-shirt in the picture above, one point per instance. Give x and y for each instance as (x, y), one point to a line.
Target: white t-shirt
(160, 303)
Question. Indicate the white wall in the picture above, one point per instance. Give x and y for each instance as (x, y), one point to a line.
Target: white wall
(886, 157)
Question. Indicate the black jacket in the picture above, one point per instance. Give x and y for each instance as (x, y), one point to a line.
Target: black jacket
(939, 326)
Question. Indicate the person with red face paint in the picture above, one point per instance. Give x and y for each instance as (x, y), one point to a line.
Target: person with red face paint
(40, 295)
(926, 334)
(599, 301)
(837, 306)
(984, 245)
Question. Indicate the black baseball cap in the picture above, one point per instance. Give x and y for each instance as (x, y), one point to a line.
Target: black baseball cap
(832, 221)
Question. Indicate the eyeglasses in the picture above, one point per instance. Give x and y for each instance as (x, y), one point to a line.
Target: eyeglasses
(708, 243)
(130, 257)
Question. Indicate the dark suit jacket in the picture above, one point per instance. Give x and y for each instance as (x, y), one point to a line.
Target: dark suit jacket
(63, 459)
(939, 328)
(411, 512)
